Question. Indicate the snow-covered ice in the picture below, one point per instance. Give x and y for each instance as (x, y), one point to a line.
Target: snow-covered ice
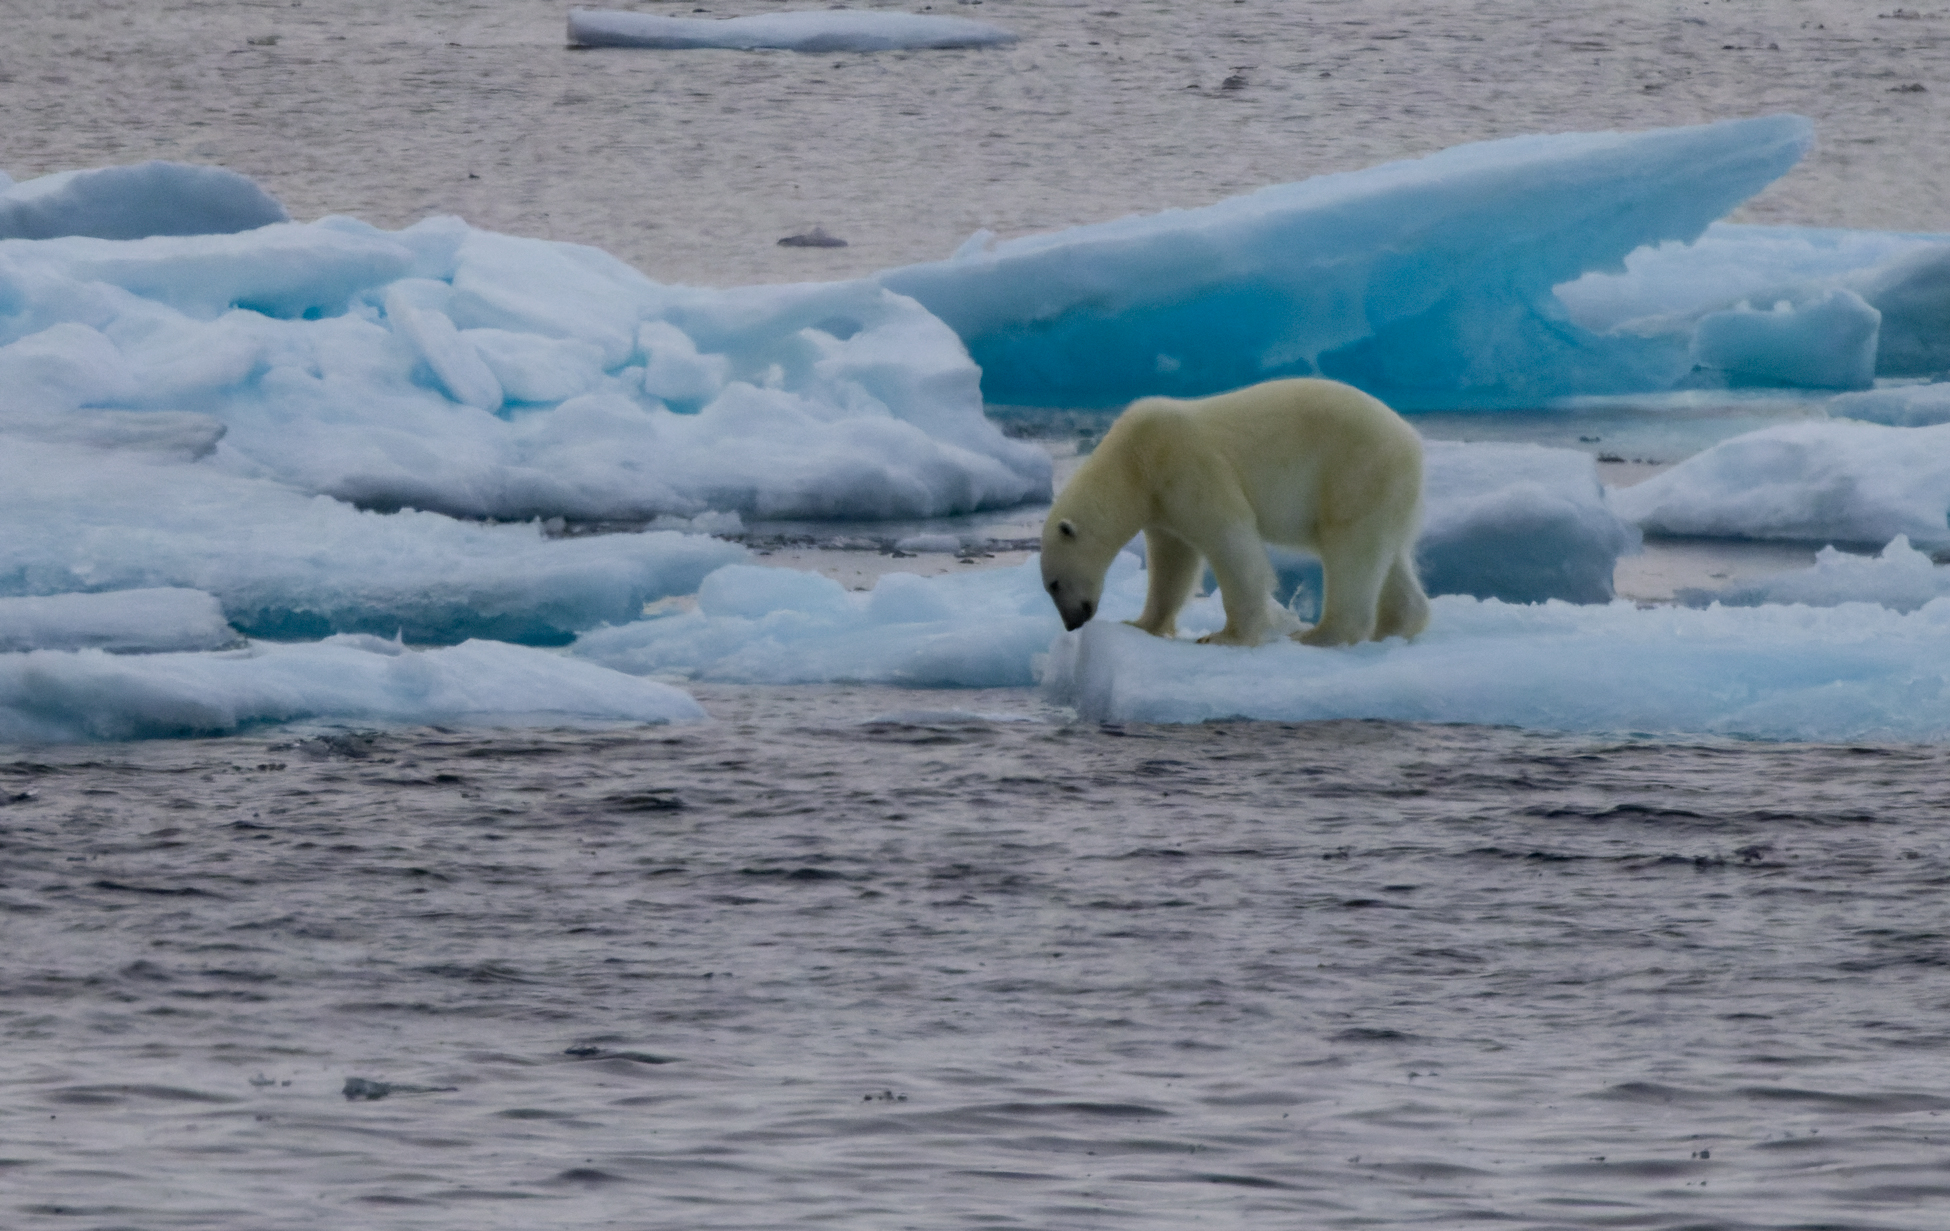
(53, 696)
(805, 30)
(124, 622)
(1899, 577)
(451, 369)
(1518, 521)
(1857, 671)
(130, 202)
(285, 564)
(1426, 282)
(1814, 481)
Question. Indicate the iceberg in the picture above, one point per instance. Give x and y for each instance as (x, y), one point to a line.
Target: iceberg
(123, 622)
(52, 696)
(837, 30)
(459, 371)
(130, 202)
(1900, 578)
(1821, 481)
(1427, 282)
(284, 564)
(1856, 671)
(1829, 343)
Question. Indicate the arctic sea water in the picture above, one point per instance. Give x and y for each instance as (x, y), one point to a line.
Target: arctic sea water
(875, 956)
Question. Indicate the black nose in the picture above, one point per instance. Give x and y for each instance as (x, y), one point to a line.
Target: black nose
(1076, 618)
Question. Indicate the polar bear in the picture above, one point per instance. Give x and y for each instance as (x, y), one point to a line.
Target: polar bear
(1313, 464)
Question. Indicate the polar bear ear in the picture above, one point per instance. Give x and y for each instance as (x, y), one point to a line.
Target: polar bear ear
(1066, 528)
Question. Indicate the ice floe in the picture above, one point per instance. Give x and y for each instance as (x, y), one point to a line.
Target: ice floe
(124, 622)
(804, 30)
(81, 517)
(1857, 671)
(130, 202)
(1896, 405)
(1427, 282)
(1835, 481)
(456, 370)
(55, 696)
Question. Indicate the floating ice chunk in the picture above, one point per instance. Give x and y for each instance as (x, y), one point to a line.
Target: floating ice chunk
(1829, 343)
(837, 30)
(1901, 406)
(1900, 578)
(122, 622)
(149, 198)
(484, 375)
(52, 696)
(1912, 292)
(284, 564)
(1427, 282)
(1518, 522)
(1853, 672)
(1838, 482)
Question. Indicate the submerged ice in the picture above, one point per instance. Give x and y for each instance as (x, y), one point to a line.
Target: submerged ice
(55, 696)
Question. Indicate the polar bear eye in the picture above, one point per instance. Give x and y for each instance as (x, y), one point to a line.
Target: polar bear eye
(1054, 586)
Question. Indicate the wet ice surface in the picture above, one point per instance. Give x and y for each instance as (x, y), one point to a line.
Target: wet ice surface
(873, 959)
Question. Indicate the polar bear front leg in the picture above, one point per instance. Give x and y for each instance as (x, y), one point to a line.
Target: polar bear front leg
(1173, 567)
(1246, 587)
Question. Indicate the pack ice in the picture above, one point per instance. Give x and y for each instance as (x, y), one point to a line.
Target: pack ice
(806, 30)
(450, 369)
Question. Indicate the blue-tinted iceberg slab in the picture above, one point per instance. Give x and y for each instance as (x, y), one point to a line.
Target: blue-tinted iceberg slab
(837, 30)
(285, 564)
(149, 198)
(123, 622)
(482, 375)
(51, 696)
(1837, 481)
(1827, 343)
(1426, 282)
(1857, 671)
(1900, 578)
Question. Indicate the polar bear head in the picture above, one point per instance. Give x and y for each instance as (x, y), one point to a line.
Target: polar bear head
(1073, 569)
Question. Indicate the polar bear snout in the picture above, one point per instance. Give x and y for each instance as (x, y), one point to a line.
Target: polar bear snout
(1076, 615)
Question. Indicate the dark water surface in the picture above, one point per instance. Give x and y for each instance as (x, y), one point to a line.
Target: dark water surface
(799, 967)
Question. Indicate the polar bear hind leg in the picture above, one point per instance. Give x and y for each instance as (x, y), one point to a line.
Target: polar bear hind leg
(1404, 608)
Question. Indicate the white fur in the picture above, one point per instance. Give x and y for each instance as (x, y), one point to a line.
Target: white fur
(1312, 464)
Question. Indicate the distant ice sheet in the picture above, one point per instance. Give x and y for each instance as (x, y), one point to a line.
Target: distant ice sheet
(1857, 671)
(1896, 406)
(129, 202)
(125, 621)
(1899, 577)
(285, 564)
(1837, 481)
(483, 375)
(1428, 282)
(835, 30)
(51, 696)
